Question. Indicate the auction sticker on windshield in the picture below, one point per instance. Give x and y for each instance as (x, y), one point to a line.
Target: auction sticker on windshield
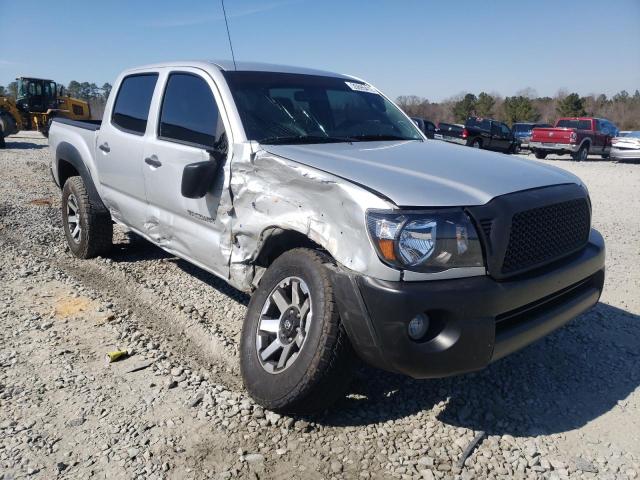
(361, 87)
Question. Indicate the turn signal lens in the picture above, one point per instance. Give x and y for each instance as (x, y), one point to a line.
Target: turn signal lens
(387, 249)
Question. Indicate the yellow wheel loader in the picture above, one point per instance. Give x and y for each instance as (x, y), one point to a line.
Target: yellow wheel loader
(38, 101)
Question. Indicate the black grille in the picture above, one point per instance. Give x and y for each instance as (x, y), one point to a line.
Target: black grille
(543, 234)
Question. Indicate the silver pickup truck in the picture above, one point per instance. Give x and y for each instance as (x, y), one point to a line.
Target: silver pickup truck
(353, 232)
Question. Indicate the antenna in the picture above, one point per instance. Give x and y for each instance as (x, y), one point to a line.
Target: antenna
(233, 57)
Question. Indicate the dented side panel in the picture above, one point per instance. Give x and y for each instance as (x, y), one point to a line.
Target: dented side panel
(270, 192)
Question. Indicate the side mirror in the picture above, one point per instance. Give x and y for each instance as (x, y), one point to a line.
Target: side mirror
(198, 177)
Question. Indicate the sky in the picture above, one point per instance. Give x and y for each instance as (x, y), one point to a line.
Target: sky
(433, 49)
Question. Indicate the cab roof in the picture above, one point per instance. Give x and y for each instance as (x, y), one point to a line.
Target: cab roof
(228, 66)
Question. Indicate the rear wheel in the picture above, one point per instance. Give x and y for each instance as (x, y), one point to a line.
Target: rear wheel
(540, 154)
(476, 143)
(294, 353)
(581, 154)
(88, 229)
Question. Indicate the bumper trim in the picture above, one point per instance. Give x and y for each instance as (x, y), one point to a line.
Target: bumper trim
(555, 147)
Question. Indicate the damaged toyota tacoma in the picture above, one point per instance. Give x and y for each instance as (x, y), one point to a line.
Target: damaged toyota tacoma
(353, 232)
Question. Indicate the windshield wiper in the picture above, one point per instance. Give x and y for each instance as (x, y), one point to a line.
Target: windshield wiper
(303, 139)
(376, 136)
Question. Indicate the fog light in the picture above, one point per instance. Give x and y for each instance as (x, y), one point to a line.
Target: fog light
(418, 326)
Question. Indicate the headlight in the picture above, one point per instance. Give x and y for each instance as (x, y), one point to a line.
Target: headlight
(425, 241)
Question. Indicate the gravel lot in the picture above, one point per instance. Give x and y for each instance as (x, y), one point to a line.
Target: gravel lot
(566, 407)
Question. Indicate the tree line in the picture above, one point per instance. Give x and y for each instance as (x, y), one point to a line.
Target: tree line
(82, 90)
(623, 109)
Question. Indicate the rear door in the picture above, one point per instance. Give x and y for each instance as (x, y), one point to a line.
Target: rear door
(506, 137)
(120, 149)
(188, 121)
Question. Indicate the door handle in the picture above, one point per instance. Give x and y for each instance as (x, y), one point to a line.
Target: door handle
(153, 161)
(105, 147)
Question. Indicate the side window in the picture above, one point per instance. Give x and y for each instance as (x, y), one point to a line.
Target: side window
(505, 129)
(131, 108)
(189, 113)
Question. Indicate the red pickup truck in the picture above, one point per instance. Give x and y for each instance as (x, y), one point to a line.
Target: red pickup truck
(577, 136)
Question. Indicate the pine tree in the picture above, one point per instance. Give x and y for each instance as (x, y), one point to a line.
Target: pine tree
(520, 109)
(571, 106)
(484, 105)
(462, 109)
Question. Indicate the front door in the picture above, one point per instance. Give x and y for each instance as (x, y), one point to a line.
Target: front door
(120, 150)
(189, 127)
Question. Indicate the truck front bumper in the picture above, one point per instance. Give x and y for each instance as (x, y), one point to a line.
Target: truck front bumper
(554, 147)
(473, 321)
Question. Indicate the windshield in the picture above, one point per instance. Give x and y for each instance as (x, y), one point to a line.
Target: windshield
(283, 108)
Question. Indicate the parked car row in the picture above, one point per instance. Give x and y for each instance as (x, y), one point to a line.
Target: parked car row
(575, 136)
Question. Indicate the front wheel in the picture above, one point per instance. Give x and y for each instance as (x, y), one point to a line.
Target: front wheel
(88, 229)
(540, 155)
(295, 356)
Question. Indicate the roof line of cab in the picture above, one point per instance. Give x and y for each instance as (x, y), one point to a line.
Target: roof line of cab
(226, 65)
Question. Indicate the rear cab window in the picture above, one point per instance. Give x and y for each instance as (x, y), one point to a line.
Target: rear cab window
(189, 113)
(481, 123)
(131, 108)
(579, 124)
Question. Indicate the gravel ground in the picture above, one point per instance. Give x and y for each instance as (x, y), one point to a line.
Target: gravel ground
(566, 407)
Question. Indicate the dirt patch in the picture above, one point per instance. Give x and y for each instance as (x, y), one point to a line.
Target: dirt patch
(66, 307)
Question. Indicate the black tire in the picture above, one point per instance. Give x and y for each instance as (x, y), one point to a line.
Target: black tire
(605, 156)
(321, 372)
(96, 228)
(581, 154)
(47, 127)
(540, 155)
(476, 143)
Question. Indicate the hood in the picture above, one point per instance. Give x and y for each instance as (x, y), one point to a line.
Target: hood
(426, 174)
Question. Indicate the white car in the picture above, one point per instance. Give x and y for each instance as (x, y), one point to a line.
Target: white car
(626, 146)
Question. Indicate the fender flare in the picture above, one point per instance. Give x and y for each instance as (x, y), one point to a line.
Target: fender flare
(68, 153)
(587, 142)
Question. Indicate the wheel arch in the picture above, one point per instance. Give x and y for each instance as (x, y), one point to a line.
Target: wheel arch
(69, 163)
(276, 240)
(476, 139)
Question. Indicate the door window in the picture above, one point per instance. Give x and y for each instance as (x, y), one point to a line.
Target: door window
(189, 113)
(131, 109)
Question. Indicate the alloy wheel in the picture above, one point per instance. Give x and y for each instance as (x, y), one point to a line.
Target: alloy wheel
(283, 325)
(73, 218)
